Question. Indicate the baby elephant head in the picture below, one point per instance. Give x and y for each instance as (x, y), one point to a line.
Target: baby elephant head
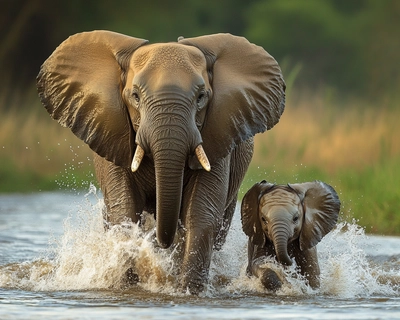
(303, 212)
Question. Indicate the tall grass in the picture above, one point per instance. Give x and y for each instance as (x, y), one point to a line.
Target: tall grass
(38, 154)
(352, 146)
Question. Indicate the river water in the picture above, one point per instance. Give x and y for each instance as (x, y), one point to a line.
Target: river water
(57, 262)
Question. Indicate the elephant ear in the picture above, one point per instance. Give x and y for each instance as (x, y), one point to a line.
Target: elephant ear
(248, 91)
(80, 85)
(251, 224)
(321, 205)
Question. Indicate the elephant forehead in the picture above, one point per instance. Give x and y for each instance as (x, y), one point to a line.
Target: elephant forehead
(170, 56)
(278, 197)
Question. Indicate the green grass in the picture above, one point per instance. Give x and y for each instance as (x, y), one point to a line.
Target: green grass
(370, 196)
(14, 179)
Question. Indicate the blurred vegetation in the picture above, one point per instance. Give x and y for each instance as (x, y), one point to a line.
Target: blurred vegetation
(350, 47)
(37, 154)
(339, 59)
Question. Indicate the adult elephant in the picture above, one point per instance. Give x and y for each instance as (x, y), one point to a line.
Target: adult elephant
(155, 114)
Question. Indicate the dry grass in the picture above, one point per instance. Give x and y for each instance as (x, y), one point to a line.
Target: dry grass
(35, 142)
(311, 132)
(36, 150)
(317, 133)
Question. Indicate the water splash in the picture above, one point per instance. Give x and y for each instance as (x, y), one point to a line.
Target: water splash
(347, 269)
(90, 257)
(87, 257)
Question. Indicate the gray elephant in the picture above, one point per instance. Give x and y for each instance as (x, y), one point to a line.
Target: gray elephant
(285, 222)
(156, 115)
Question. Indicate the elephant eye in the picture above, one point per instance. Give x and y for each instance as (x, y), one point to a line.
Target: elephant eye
(201, 99)
(296, 218)
(264, 220)
(136, 97)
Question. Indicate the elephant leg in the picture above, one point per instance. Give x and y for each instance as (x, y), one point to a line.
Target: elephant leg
(240, 159)
(270, 280)
(307, 260)
(222, 230)
(203, 209)
(121, 198)
(256, 267)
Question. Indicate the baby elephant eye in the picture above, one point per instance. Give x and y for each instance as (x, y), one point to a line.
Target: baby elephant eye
(296, 218)
(264, 220)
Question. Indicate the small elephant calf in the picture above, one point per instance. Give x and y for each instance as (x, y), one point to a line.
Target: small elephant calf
(285, 222)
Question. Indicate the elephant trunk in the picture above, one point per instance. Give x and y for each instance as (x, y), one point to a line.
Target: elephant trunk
(169, 168)
(167, 133)
(280, 237)
(170, 144)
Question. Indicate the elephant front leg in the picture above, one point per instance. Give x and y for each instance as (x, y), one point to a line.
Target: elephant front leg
(196, 260)
(307, 260)
(203, 210)
(257, 266)
(121, 198)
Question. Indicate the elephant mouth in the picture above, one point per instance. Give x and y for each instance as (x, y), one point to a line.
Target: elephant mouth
(199, 152)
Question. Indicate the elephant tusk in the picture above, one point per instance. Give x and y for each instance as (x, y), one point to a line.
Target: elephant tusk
(137, 158)
(202, 157)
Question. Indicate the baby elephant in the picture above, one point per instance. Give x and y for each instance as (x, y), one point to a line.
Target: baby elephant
(285, 222)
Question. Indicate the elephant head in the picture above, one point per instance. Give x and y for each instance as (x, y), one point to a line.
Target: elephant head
(167, 102)
(282, 214)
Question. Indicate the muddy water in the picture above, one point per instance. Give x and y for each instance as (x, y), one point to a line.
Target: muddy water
(56, 262)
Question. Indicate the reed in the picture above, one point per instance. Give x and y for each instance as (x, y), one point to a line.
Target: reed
(352, 146)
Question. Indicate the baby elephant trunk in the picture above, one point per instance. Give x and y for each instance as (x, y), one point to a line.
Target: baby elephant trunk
(280, 237)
